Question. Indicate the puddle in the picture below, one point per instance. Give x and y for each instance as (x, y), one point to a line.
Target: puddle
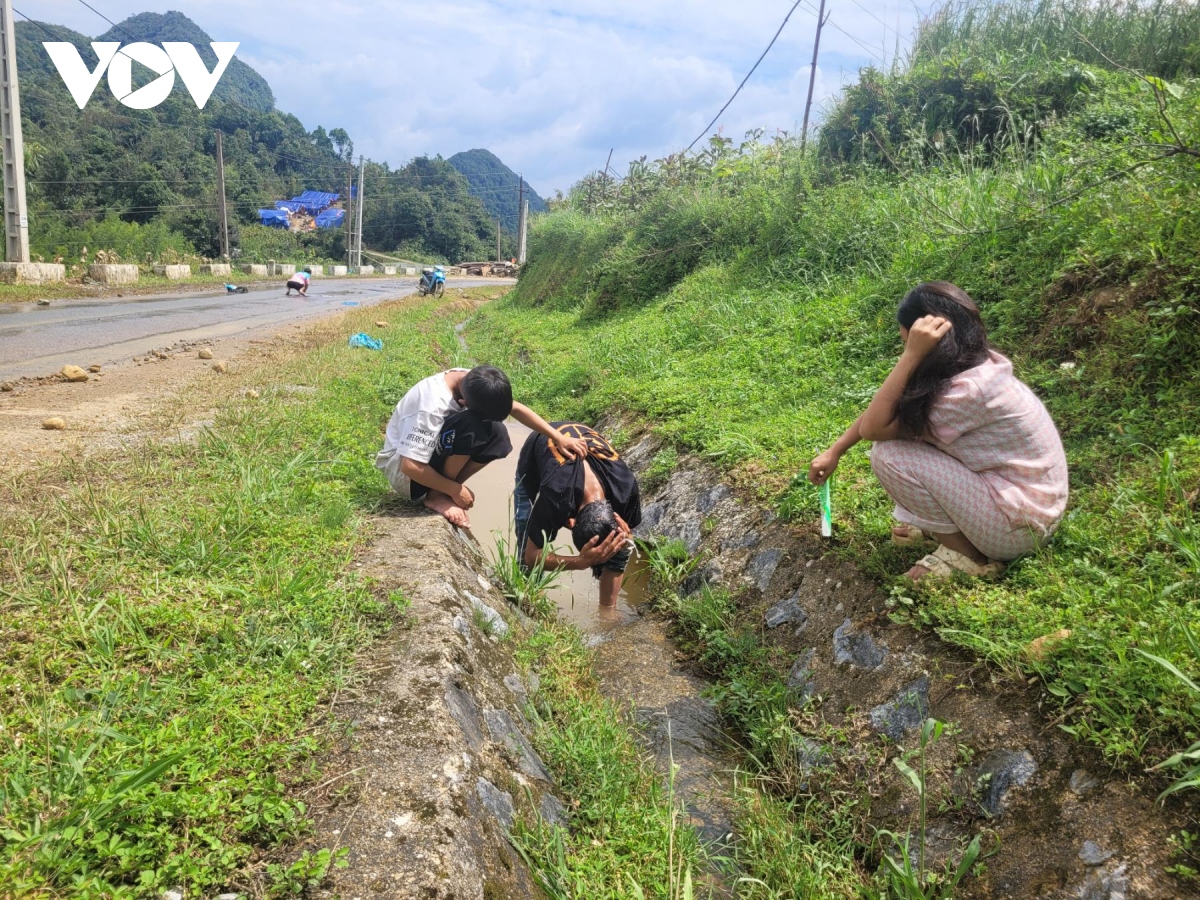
(576, 594)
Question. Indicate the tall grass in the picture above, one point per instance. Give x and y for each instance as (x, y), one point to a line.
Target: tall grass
(1156, 37)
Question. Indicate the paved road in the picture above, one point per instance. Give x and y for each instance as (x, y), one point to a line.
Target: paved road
(40, 340)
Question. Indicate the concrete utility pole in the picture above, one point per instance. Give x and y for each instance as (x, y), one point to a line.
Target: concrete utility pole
(362, 170)
(812, 75)
(224, 224)
(523, 233)
(497, 239)
(349, 220)
(16, 213)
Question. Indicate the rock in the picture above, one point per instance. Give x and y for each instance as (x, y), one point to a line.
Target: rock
(812, 755)
(701, 578)
(205, 353)
(1092, 855)
(505, 731)
(8, 386)
(652, 516)
(229, 897)
(763, 566)
(799, 676)
(54, 423)
(74, 373)
(220, 367)
(905, 712)
(1082, 781)
(43, 303)
(744, 542)
(95, 370)
(1102, 884)
(552, 810)
(710, 498)
(786, 611)
(496, 623)
(515, 684)
(172, 895)
(252, 394)
(856, 648)
(1040, 648)
(463, 708)
(999, 773)
(381, 324)
(463, 627)
(499, 803)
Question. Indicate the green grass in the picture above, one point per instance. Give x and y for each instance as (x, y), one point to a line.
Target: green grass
(626, 838)
(173, 620)
(773, 336)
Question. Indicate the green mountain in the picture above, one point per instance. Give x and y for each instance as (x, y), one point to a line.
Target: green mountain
(240, 83)
(140, 182)
(495, 184)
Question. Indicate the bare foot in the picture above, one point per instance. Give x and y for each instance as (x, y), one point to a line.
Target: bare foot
(916, 573)
(440, 503)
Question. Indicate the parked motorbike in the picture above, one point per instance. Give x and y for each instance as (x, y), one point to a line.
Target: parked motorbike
(433, 281)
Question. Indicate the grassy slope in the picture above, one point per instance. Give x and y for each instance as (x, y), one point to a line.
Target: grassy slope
(750, 319)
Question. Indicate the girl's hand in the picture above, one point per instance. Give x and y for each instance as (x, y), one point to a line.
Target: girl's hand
(925, 335)
(822, 467)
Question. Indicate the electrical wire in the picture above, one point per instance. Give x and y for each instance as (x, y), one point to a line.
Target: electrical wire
(744, 80)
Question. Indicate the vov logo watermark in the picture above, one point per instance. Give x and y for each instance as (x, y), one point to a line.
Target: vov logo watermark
(173, 57)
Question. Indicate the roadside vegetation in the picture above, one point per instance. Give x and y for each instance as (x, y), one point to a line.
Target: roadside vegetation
(743, 302)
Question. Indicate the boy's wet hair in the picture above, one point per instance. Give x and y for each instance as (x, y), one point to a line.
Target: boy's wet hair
(488, 393)
(597, 519)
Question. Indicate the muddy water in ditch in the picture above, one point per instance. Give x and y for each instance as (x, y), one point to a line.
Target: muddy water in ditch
(636, 663)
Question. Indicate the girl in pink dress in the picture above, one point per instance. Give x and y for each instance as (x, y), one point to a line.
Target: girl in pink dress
(967, 452)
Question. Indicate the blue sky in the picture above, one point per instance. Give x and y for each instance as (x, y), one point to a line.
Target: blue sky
(548, 87)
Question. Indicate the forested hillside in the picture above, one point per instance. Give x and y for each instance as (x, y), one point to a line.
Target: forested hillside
(496, 186)
(1041, 155)
(144, 182)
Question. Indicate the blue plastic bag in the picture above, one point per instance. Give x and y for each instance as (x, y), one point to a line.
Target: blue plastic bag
(365, 340)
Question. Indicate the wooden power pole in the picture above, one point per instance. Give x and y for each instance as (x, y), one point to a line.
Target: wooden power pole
(812, 76)
(16, 213)
(222, 212)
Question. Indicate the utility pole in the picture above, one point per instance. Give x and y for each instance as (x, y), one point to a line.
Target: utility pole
(521, 219)
(497, 239)
(224, 223)
(523, 233)
(812, 75)
(16, 213)
(350, 215)
(362, 170)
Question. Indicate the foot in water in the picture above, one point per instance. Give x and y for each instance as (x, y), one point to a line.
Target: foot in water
(440, 503)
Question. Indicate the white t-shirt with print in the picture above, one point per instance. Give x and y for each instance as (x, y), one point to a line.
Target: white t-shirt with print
(417, 420)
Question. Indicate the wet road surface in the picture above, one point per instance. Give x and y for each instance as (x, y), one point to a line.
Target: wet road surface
(40, 340)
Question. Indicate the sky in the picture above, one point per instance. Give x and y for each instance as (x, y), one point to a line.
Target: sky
(549, 87)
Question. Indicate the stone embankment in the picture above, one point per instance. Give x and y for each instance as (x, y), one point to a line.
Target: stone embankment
(1065, 826)
(439, 762)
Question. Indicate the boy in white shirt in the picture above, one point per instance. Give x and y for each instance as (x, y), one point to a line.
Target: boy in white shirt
(447, 428)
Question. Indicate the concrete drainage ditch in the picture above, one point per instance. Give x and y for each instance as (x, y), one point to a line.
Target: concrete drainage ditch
(441, 761)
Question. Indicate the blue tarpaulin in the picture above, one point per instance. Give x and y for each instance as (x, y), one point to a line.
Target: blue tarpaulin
(331, 218)
(275, 218)
(290, 205)
(315, 201)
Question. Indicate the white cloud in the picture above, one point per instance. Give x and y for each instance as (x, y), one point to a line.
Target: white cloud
(547, 87)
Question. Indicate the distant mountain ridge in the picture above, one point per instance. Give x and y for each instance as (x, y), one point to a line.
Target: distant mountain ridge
(495, 184)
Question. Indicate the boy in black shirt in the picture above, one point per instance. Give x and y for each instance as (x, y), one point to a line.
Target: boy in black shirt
(597, 497)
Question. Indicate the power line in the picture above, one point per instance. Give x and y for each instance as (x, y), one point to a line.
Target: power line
(744, 80)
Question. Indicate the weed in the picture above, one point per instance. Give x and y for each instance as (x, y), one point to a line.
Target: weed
(526, 586)
(309, 871)
(909, 879)
(669, 563)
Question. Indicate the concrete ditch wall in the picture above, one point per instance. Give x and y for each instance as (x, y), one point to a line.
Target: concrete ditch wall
(109, 273)
(338, 270)
(441, 761)
(216, 269)
(1067, 826)
(261, 271)
(31, 273)
(362, 270)
(173, 273)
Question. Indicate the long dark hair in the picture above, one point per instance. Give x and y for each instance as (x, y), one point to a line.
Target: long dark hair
(963, 347)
